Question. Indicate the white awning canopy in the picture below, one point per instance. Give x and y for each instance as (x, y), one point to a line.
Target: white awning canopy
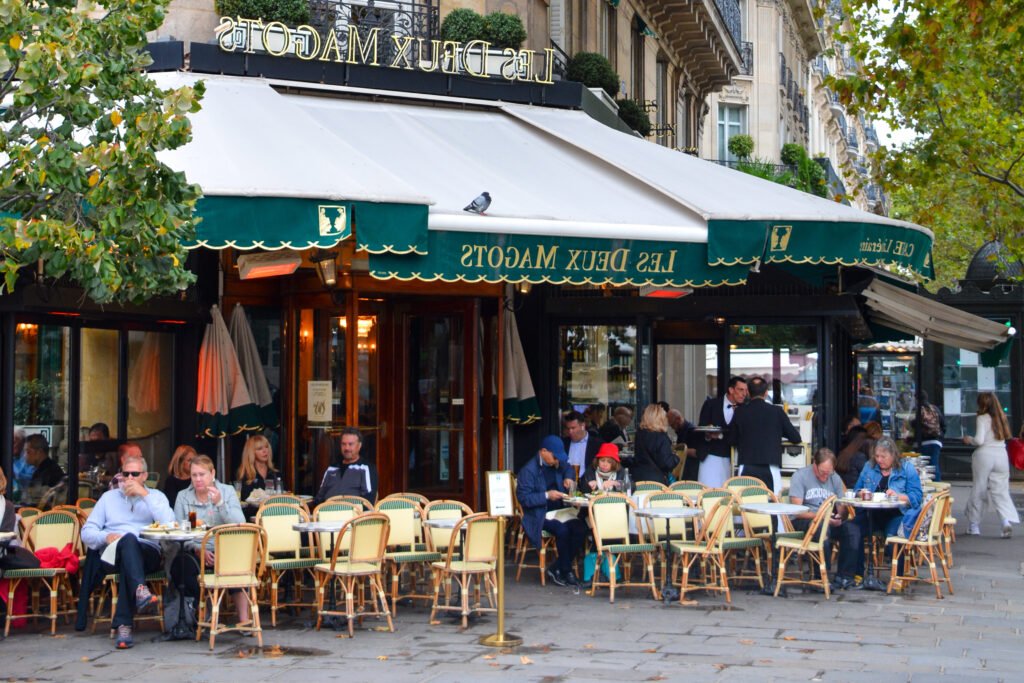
(905, 311)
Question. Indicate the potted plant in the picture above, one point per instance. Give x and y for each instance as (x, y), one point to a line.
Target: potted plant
(634, 116)
(594, 71)
(502, 31)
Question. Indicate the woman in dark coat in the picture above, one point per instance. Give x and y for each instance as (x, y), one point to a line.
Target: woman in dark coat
(653, 457)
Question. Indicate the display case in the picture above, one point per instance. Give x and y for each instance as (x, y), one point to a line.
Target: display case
(597, 364)
(887, 389)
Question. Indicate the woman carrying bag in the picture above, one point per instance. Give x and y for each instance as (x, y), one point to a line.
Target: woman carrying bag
(990, 467)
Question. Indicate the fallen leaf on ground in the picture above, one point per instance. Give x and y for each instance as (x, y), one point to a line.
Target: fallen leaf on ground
(435, 622)
(85, 659)
(523, 659)
(242, 654)
(720, 666)
(746, 641)
(588, 646)
(343, 635)
(806, 650)
(274, 651)
(650, 650)
(656, 678)
(381, 628)
(382, 658)
(488, 656)
(789, 637)
(494, 664)
(60, 635)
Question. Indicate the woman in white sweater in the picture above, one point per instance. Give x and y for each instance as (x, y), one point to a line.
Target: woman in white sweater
(990, 466)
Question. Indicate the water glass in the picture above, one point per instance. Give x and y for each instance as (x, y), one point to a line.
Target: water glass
(238, 488)
(571, 489)
(186, 526)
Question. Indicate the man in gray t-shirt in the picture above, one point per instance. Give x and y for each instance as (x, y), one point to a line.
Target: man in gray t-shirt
(812, 486)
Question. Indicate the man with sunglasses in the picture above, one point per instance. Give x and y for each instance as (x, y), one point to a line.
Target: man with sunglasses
(118, 517)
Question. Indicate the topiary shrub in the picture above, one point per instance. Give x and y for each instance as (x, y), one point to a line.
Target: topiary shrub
(594, 71)
(504, 30)
(463, 25)
(291, 12)
(634, 116)
(792, 153)
(741, 146)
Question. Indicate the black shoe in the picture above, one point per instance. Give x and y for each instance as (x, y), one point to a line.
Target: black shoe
(555, 577)
(570, 578)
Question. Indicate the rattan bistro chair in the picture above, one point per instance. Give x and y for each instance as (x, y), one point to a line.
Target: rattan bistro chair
(358, 570)
(707, 548)
(609, 519)
(332, 511)
(286, 554)
(923, 547)
(238, 554)
(479, 560)
(405, 549)
(812, 545)
(54, 529)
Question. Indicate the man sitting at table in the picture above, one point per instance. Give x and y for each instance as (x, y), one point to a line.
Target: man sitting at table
(812, 486)
(540, 488)
(119, 516)
(351, 477)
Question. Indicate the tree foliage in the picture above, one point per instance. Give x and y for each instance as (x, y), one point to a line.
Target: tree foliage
(950, 71)
(81, 189)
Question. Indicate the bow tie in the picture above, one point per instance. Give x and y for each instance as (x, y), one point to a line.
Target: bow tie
(730, 405)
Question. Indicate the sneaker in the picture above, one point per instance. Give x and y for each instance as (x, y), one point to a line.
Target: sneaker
(555, 577)
(124, 637)
(974, 530)
(570, 579)
(855, 584)
(144, 600)
(1007, 531)
(841, 582)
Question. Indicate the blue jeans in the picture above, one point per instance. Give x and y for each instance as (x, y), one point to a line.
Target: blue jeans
(887, 521)
(932, 450)
(134, 560)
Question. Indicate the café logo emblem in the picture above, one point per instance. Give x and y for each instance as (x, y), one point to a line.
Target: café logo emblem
(332, 220)
(780, 237)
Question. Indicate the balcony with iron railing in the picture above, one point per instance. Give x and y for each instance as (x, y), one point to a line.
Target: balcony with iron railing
(729, 11)
(782, 70)
(852, 142)
(561, 61)
(707, 34)
(406, 18)
(836, 186)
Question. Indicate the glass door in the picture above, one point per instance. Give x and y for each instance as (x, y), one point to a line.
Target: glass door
(435, 449)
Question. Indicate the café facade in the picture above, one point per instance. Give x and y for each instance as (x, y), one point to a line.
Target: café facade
(336, 180)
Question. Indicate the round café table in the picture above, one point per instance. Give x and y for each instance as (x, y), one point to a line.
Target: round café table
(332, 527)
(871, 581)
(668, 592)
(180, 630)
(774, 510)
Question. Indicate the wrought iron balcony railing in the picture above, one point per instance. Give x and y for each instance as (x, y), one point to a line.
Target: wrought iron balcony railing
(729, 10)
(836, 186)
(782, 70)
(415, 19)
(561, 61)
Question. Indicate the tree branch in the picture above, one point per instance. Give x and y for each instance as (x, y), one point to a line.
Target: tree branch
(1005, 181)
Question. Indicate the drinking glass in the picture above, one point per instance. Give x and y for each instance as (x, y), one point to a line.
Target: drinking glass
(571, 489)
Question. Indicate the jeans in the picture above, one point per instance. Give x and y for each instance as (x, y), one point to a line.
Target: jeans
(569, 539)
(134, 560)
(886, 521)
(850, 538)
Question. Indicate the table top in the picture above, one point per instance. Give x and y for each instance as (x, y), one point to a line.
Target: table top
(577, 502)
(173, 535)
(326, 526)
(442, 523)
(774, 508)
(258, 500)
(669, 512)
(877, 504)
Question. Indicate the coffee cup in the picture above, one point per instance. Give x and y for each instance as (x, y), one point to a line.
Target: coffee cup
(849, 494)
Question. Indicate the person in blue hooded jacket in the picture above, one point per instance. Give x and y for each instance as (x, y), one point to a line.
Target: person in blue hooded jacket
(541, 487)
(890, 474)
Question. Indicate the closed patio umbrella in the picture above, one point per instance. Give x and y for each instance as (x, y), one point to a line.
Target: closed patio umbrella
(252, 366)
(223, 403)
(520, 400)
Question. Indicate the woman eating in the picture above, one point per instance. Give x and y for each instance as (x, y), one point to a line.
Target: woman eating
(605, 473)
(256, 467)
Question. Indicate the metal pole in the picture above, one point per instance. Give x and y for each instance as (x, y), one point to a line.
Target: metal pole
(501, 639)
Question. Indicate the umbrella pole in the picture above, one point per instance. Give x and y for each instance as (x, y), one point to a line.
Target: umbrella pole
(220, 458)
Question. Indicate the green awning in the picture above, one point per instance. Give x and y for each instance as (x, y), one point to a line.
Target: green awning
(289, 223)
(732, 242)
(495, 257)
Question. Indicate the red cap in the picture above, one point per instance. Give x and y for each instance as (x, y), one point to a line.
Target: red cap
(608, 450)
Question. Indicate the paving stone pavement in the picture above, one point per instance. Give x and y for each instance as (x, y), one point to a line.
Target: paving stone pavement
(856, 636)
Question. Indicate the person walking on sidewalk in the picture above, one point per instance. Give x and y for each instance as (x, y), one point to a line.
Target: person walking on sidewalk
(929, 427)
(990, 467)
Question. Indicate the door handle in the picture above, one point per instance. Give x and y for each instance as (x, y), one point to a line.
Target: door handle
(384, 430)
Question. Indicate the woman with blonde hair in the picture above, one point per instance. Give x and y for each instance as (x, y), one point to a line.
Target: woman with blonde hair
(256, 466)
(653, 457)
(178, 472)
(990, 467)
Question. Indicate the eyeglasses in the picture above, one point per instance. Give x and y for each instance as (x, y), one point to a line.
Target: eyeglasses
(131, 474)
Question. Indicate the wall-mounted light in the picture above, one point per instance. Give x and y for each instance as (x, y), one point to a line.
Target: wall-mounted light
(663, 292)
(524, 287)
(326, 267)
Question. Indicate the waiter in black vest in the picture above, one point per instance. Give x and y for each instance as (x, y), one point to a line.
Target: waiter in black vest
(758, 431)
(714, 453)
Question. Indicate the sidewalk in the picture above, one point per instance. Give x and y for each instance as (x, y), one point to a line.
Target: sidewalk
(856, 636)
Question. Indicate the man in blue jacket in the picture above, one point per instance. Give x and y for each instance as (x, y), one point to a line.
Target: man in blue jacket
(541, 486)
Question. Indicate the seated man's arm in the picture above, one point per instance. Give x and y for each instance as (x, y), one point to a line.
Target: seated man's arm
(159, 507)
(531, 492)
(93, 534)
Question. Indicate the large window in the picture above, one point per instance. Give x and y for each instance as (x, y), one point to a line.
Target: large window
(787, 357)
(963, 378)
(606, 26)
(887, 390)
(732, 120)
(597, 364)
(637, 49)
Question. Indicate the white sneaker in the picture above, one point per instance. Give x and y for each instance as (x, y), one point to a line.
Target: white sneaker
(1007, 530)
(975, 530)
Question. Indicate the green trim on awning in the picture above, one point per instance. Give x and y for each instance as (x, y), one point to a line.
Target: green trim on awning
(496, 257)
(274, 223)
(849, 243)
(521, 412)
